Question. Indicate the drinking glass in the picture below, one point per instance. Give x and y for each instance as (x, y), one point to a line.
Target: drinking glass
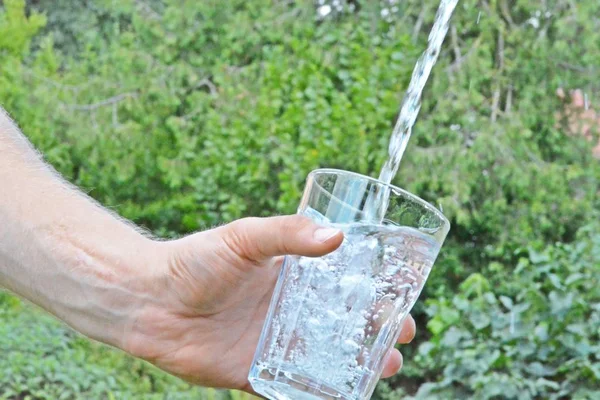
(333, 319)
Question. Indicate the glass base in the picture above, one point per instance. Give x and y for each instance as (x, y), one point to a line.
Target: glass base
(275, 384)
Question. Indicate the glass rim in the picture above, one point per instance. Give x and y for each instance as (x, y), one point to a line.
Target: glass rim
(428, 206)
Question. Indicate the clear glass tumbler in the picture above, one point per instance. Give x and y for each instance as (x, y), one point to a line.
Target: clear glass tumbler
(333, 319)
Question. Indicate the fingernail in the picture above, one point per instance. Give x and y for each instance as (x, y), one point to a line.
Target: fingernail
(324, 234)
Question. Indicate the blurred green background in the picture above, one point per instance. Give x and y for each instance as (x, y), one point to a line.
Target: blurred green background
(185, 114)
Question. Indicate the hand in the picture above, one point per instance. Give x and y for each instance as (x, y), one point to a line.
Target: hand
(194, 307)
(211, 293)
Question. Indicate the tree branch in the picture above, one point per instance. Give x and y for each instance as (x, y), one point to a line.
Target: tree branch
(500, 51)
(500, 65)
(419, 24)
(577, 68)
(495, 104)
(103, 103)
(457, 63)
(150, 12)
(508, 105)
(455, 45)
(505, 11)
(206, 82)
(61, 86)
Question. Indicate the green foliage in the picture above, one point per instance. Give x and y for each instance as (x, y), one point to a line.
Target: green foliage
(536, 336)
(42, 359)
(216, 112)
(184, 114)
(16, 29)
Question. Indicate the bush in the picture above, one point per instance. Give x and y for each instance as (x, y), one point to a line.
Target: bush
(532, 334)
(183, 115)
(41, 359)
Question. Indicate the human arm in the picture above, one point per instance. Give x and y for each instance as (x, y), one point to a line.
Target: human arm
(193, 306)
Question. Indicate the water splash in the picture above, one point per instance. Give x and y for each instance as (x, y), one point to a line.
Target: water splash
(377, 203)
(412, 100)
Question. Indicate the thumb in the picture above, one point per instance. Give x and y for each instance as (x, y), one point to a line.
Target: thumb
(260, 238)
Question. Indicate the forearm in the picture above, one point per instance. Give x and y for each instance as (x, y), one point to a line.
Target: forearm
(62, 251)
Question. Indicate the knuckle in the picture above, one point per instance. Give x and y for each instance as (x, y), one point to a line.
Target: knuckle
(241, 238)
(235, 237)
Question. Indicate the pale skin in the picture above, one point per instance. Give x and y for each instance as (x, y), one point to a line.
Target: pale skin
(194, 307)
